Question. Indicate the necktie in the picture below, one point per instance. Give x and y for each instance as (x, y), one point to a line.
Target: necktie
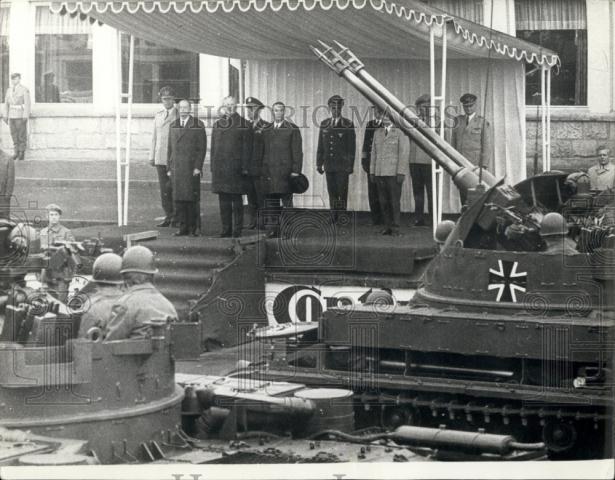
(166, 114)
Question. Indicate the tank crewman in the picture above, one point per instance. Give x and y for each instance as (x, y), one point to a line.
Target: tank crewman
(17, 103)
(389, 165)
(102, 292)
(254, 169)
(62, 266)
(554, 232)
(472, 136)
(159, 150)
(602, 175)
(335, 154)
(282, 159)
(7, 183)
(231, 149)
(420, 167)
(366, 153)
(141, 303)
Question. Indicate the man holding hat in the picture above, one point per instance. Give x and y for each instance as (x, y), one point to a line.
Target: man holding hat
(17, 103)
(420, 167)
(473, 136)
(142, 304)
(254, 168)
(102, 292)
(335, 154)
(158, 152)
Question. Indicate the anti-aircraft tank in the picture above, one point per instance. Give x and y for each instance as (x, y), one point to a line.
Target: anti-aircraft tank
(502, 335)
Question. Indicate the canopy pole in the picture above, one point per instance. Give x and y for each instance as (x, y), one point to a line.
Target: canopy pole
(118, 120)
(548, 119)
(241, 84)
(128, 126)
(436, 170)
(543, 115)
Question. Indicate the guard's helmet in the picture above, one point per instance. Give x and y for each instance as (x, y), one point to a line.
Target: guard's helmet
(380, 297)
(138, 259)
(553, 224)
(106, 269)
(443, 230)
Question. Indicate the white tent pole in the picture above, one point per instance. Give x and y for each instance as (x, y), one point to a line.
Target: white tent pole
(118, 120)
(548, 119)
(543, 113)
(241, 92)
(129, 126)
(432, 121)
(438, 170)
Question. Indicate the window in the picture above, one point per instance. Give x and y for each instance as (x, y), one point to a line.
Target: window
(63, 66)
(4, 51)
(469, 9)
(559, 25)
(156, 66)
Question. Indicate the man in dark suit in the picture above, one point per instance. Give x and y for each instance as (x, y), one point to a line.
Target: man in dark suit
(231, 145)
(366, 153)
(186, 153)
(335, 154)
(473, 136)
(420, 167)
(282, 159)
(254, 170)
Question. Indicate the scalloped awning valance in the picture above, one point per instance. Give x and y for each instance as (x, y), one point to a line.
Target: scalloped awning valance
(283, 29)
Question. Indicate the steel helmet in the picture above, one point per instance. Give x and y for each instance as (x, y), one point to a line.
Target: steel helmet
(443, 230)
(138, 259)
(553, 224)
(380, 297)
(106, 269)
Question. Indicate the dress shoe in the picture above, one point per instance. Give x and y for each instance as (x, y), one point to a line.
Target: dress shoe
(224, 235)
(419, 222)
(195, 234)
(164, 223)
(22, 156)
(386, 231)
(180, 234)
(251, 226)
(236, 235)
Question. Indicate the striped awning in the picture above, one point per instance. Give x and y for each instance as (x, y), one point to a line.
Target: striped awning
(283, 29)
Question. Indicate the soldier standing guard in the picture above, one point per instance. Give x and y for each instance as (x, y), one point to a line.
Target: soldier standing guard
(335, 154)
(473, 136)
(17, 103)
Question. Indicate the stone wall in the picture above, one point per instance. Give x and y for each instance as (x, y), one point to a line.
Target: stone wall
(574, 140)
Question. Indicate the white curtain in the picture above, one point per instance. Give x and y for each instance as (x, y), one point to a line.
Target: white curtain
(305, 85)
(469, 9)
(550, 14)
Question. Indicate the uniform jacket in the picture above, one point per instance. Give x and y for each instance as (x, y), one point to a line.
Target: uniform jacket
(389, 153)
(17, 102)
(255, 166)
(160, 135)
(186, 151)
(7, 174)
(417, 154)
(231, 149)
(139, 304)
(474, 140)
(368, 140)
(49, 235)
(100, 303)
(601, 177)
(283, 155)
(336, 146)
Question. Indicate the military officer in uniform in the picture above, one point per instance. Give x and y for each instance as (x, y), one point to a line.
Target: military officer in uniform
(602, 176)
(366, 153)
(142, 303)
(420, 167)
(473, 136)
(335, 154)
(102, 292)
(159, 149)
(254, 169)
(62, 267)
(17, 103)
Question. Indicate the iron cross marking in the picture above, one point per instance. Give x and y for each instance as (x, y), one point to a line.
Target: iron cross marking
(507, 281)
